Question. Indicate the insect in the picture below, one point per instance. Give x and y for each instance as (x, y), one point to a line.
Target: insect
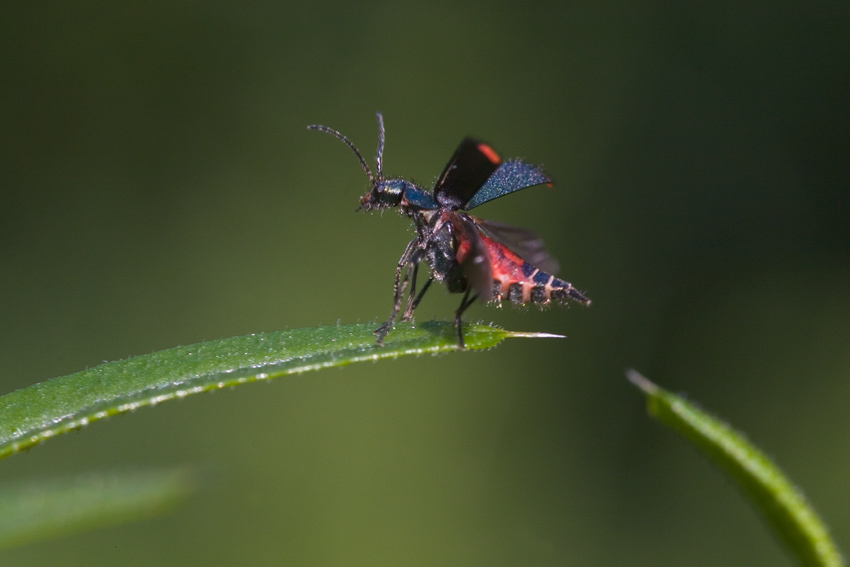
(480, 258)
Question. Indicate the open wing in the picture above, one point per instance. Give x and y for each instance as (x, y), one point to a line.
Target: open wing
(472, 164)
(473, 256)
(524, 243)
(510, 176)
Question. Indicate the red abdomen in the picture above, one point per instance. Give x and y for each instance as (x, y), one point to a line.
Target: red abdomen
(517, 281)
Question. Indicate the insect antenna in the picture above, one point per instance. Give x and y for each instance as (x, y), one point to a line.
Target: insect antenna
(380, 159)
(354, 149)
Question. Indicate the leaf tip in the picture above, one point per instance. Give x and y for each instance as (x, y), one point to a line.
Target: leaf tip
(520, 334)
(639, 380)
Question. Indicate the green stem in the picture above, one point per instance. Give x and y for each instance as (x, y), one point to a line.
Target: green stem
(781, 503)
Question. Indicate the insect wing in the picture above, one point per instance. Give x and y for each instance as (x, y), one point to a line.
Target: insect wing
(473, 257)
(524, 243)
(509, 177)
(472, 164)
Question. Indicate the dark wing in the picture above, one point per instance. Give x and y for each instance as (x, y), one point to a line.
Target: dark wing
(473, 257)
(471, 165)
(509, 177)
(524, 243)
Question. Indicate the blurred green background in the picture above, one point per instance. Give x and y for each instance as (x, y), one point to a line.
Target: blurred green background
(158, 187)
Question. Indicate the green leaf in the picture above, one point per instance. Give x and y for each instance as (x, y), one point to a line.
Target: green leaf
(48, 508)
(784, 507)
(37, 413)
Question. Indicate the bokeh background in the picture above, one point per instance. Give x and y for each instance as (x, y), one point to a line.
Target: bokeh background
(158, 187)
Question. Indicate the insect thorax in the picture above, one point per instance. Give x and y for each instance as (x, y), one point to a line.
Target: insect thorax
(439, 247)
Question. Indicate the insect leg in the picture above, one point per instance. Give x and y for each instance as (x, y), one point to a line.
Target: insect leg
(399, 286)
(408, 311)
(412, 304)
(466, 302)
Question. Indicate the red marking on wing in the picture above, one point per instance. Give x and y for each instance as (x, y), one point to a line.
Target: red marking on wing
(489, 153)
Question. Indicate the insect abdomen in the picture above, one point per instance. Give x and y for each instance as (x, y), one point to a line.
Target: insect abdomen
(519, 282)
(540, 288)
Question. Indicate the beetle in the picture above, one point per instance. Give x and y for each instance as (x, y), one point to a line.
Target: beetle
(479, 258)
